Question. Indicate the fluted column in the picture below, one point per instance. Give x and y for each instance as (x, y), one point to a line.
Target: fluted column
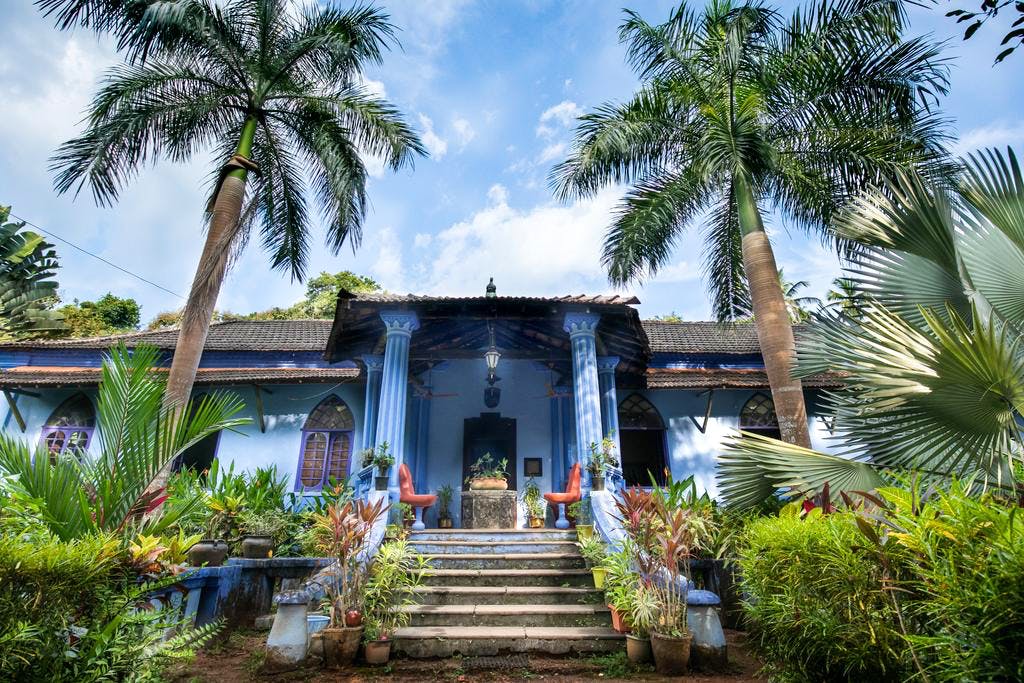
(394, 387)
(371, 406)
(609, 400)
(582, 328)
(422, 408)
(561, 427)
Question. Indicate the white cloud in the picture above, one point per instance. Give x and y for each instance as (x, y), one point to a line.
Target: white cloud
(681, 271)
(567, 84)
(464, 132)
(497, 194)
(422, 239)
(435, 144)
(552, 152)
(562, 114)
(992, 135)
(372, 87)
(387, 267)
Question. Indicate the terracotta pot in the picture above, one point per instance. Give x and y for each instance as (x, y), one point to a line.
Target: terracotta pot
(584, 531)
(638, 650)
(380, 483)
(209, 552)
(536, 522)
(444, 523)
(377, 652)
(257, 547)
(340, 645)
(671, 655)
(597, 483)
(600, 573)
(488, 484)
(618, 622)
(353, 618)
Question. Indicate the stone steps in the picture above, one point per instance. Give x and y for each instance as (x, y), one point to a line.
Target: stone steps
(521, 560)
(528, 546)
(509, 615)
(508, 595)
(447, 641)
(508, 577)
(498, 535)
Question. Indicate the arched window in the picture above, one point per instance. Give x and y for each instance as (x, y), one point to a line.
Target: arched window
(326, 444)
(199, 456)
(642, 440)
(70, 427)
(758, 416)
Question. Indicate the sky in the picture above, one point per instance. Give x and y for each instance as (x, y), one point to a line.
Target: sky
(493, 88)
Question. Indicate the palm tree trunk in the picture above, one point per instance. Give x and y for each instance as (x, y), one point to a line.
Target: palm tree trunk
(774, 330)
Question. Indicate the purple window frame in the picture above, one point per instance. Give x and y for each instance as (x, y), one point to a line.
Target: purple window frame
(68, 430)
(332, 434)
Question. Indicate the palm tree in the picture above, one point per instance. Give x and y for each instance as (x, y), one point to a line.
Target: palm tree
(844, 297)
(275, 90)
(138, 436)
(934, 360)
(738, 113)
(798, 307)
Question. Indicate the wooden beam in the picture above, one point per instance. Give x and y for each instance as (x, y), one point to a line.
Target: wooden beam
(12, 404)
(702, 426)
(258, 390)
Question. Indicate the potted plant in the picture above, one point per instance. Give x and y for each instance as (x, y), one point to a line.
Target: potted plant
(670, 637)
(579, 512)
(342, 533)
(260, 531)
(534, 502)
(602, 458)
(620, 586)
(594, 553)
(393, 576)
(487, 474)
(407, 514)
(382, 459)
(444, 501)
(643, 612)
(221, 524)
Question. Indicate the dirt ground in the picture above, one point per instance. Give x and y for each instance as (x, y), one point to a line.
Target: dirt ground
(239, 658)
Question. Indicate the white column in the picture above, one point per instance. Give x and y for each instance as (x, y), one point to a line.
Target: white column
(582, 329)
(394, 387)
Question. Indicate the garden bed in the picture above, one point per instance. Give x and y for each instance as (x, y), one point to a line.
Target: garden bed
(240, 657)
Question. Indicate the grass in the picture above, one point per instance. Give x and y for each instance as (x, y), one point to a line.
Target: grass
(617, 665)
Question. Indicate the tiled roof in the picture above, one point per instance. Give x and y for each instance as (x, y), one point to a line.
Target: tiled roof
(43, 376)
(596, 299)
(726, 378)
(233, 335)
(704, 337)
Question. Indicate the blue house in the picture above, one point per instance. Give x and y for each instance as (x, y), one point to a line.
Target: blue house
(442, 380)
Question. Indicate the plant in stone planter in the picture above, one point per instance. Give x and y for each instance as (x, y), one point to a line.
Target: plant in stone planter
(261, 532)
(382, 459)
(580, 514)
(393, 577)
(535, 505)
(342, 533)
(444, 501)
(594, 552)
(670, 637)
(602, 459)
(407, 514)
(222, 528)
(488, 474)
(644, 608)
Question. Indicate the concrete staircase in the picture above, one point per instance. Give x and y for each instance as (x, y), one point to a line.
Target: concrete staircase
(496, 591)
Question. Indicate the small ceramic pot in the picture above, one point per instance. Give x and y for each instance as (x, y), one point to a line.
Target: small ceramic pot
(208, 552)
(488, 484)
(671, 655)
(340, 645)
(377, 652)
(638, 650)
(257, 547)
(536, 522)
(584, 531)
(618, 622)
(600, 573)
(597, 483)
(444, 523)
(380, 483)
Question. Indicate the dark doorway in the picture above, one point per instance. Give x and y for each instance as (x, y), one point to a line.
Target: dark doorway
(200, 455)
(489, 433)
(642, 438)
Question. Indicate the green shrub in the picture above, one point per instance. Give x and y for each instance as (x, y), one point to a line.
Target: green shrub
(816, 608)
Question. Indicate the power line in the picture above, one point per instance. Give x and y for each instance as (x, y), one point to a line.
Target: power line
(95, 256)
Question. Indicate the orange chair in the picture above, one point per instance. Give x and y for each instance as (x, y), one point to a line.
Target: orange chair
(407, 495)
(571, 495)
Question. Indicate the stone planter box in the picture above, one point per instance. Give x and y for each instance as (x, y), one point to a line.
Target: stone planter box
(489, 509)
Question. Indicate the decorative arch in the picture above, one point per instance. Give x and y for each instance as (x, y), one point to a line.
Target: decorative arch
(70, 427)
(326, 444)
(641, 441)
(758, 416)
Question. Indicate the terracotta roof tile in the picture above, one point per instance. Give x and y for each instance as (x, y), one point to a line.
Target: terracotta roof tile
(704, 337)
(52, 376)
(726, 378)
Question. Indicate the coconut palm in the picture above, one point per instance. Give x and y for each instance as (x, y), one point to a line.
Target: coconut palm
(798, 307)
(27, 288)
(274, 90)
(935, 358)
(739, 113)
(137, 437)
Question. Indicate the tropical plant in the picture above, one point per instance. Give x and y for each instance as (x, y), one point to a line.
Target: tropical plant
(622, 581)
(580, 511)
(934, 364)
(272, 523)
(602, 457)
(486, 467)
(798, 307)
(379, 457)
(444, 501)
(394, 575)
(739, 113)
(137, 437)
(27, 287)
(275, 89)
(224, 517)
(593, 550)
(533, 499)
(644, 610)
(844, 297)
